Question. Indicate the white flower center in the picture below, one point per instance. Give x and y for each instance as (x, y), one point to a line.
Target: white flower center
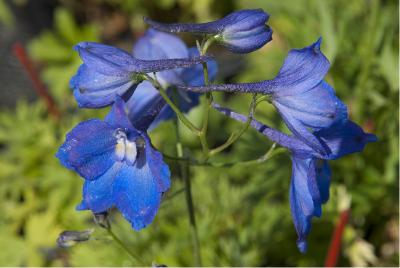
(125, 150)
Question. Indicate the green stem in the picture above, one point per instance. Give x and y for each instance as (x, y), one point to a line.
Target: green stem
(268, 155)
(184, 169)
(236, 135)
(207, 104)
(178, 113)
(123, 246)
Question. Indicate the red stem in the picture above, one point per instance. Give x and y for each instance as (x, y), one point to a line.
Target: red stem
(334, 247)
(40, 88)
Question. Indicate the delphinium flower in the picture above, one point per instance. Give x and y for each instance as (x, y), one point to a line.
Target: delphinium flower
(243, 31)
(309, 187)
(118, 163)
(108, 72)
(303, 99)
(155, 45)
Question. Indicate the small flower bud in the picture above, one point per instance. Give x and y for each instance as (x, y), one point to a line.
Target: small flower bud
(70, 238)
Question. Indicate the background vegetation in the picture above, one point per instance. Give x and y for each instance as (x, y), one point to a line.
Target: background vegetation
(242, 212)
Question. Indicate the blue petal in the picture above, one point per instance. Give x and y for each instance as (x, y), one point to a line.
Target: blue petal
(302, 70)
(94, 90)
(89, 149)
(248, 41)
(158, 167)
(323, 174)
(344, 139)
(105, 59)
(97, 194)
(315, 109)
(117, 117)
(142, 100)
(155, 45)
(304, 196)
(244, 20)
(137, 194)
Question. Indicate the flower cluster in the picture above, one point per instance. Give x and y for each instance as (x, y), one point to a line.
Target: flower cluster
(115, 156)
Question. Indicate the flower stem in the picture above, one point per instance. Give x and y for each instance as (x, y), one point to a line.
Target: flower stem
(236, 135)
(208, 101)
(123, 246)
(178, 113)
(184, 169)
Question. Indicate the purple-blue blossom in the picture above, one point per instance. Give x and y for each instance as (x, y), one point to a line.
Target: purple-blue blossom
(242, 31)
(310, 181)
(119, 164)
(108, 72)
(303, 99)
(155, 45)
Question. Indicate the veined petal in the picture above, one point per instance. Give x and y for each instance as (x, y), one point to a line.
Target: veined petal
(301, 131)
(158, 167)
(89, 149)
(95, 90)
(248, 41)
(304, 196)
(136, 194)
(317, 108)
(344, 139)
(97, 194)
(323, 175)
(302, 70)
(105, 59)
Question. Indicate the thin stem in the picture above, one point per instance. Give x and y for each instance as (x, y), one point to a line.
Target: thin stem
(184, 169)
(236, 135)
(178, 113)
(208, 101)
(272, 151)
(123, 246)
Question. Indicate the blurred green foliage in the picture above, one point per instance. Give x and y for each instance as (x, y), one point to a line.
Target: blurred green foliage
(243, 213)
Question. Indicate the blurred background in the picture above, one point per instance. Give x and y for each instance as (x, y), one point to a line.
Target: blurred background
(243, 214)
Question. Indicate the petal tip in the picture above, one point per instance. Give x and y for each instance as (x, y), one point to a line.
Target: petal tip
(371, 138)
(302, 246)
(81, 206)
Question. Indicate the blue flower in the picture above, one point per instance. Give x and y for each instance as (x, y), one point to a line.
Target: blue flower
(120, 167)
(108, 72)
(243, 31)
(155, 45)
(309, 187)
(302, 98)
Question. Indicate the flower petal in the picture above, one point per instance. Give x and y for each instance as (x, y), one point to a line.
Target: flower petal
(89, 149)
(95, 90)
(136, 193)
(323, 175)
(344, 139)
(302, 70)
(117, 117)
(304, 198)
(105, 59)
(97, 194)
(159, 169)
